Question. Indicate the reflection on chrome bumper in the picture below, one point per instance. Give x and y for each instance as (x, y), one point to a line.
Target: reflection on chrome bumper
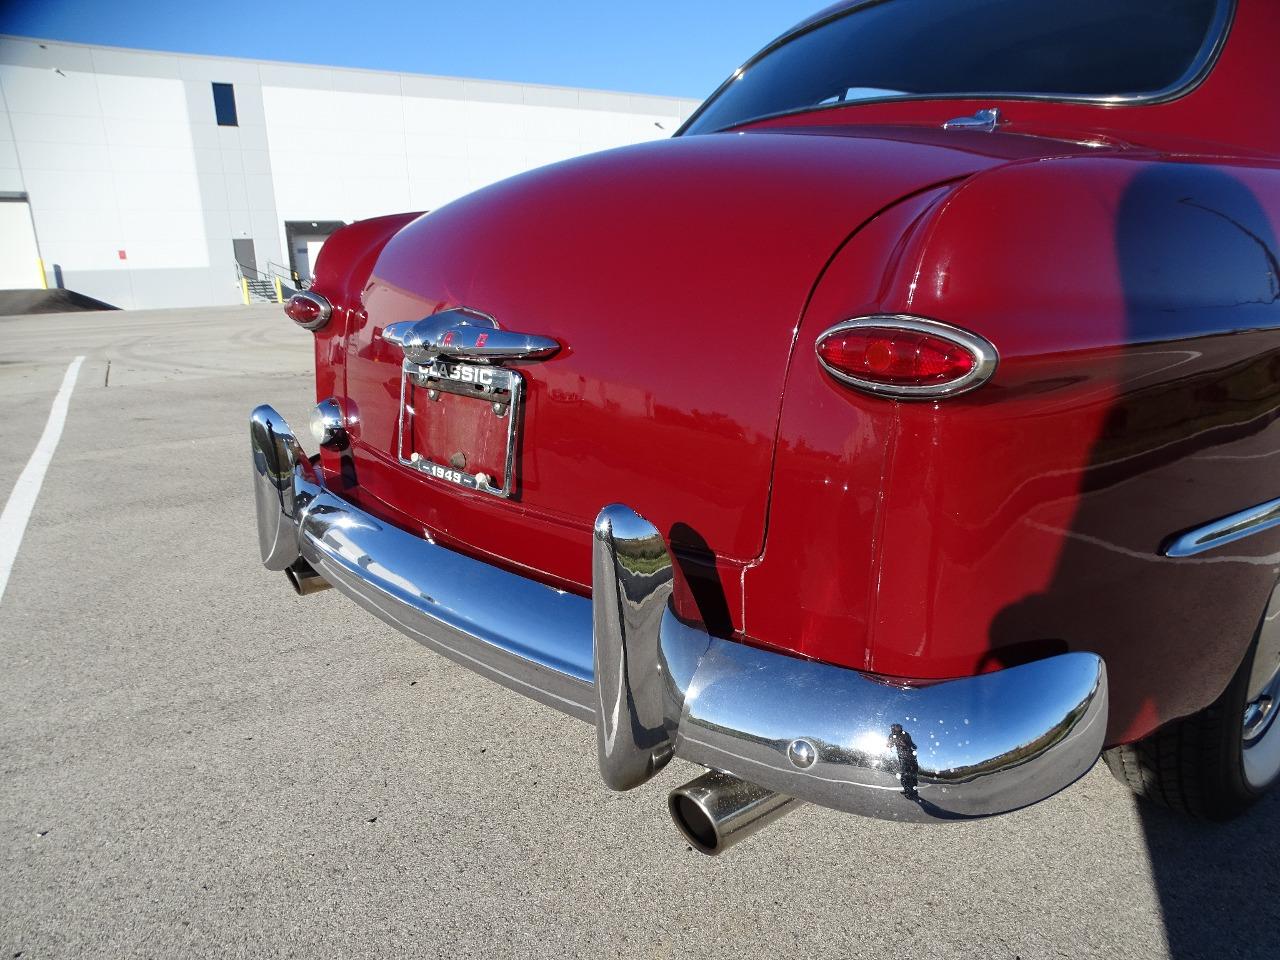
(656, 687)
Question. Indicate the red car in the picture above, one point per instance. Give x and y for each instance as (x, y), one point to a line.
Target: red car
(897, 437)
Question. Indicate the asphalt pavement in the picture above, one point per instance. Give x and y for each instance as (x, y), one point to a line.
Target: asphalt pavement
(197, 763)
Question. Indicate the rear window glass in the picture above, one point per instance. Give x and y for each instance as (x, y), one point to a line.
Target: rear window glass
(1065, 49)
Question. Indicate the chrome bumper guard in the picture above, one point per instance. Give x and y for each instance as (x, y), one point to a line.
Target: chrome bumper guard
(656, 688)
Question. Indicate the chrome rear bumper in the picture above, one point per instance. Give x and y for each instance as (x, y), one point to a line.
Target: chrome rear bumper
(656, 688)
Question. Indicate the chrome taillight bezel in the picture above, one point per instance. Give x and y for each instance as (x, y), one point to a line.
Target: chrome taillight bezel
(985, 357)
(325, 307)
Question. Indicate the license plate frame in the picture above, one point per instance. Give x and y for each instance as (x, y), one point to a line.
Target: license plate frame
(496, 386)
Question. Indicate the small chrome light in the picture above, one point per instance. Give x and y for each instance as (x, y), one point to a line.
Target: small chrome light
(328, 425)
(308, 310)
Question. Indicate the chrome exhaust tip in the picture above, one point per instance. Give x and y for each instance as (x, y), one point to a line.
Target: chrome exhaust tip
(718, 811)
(304, 579)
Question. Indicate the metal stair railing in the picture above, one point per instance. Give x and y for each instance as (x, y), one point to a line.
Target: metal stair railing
(257, 286)
(288, 276)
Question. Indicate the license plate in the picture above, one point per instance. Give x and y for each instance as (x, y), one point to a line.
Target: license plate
(459, 423)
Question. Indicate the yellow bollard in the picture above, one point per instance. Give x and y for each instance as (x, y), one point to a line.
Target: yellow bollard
(44, 280)
(279, 292)
(244, 290)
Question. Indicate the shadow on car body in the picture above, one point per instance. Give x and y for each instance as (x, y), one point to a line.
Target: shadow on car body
(1196, 263)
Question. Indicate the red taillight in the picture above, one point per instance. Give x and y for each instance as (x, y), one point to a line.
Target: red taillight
(900, 357)
(906, 357)
(302, 311)
(309, 310)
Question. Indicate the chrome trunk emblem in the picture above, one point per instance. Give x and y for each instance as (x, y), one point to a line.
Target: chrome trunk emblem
(985, 121)
(464, 334)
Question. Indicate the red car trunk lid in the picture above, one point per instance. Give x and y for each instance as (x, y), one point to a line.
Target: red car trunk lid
(674, 276)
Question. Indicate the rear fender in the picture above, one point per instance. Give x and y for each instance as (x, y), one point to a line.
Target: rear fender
(1135, 305)
(813, 591)
(341, 271)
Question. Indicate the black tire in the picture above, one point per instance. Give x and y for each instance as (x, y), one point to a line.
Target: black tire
(1195, 765)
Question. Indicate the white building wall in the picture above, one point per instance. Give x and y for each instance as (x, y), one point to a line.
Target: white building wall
(19, 254)
(120, 150)
(108, 164)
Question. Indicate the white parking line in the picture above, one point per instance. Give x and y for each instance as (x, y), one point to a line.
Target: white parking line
(22, 499)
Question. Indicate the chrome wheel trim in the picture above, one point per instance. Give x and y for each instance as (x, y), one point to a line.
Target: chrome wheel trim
(1262, 759)
(1260, 733)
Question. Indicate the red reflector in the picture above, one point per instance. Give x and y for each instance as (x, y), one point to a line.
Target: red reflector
(906, 356)
(901, 357)
(302, 310)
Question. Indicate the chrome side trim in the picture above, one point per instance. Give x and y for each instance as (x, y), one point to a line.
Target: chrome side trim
(816, 732)
(986, 358)
(1219, 533)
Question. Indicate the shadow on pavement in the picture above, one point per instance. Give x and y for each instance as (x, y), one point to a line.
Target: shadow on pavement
(1218, 883)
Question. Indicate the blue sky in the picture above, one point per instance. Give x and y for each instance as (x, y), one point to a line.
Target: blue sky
(661, 46)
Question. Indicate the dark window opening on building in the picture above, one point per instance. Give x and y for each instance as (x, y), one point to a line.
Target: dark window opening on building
(224, 104)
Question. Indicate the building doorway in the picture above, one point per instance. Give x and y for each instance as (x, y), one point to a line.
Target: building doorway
(20, 266)
(305, 238)
(246, 257)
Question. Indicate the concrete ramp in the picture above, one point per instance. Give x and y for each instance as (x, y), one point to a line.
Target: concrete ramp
(19, 302)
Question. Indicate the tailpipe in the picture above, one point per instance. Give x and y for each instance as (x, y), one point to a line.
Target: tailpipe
(718, 810)
(304, 578)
